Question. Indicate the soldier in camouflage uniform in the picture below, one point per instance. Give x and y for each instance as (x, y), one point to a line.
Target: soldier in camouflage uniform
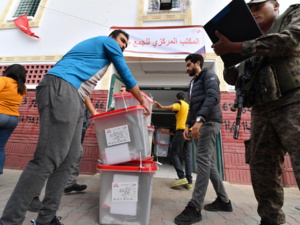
(276, 111)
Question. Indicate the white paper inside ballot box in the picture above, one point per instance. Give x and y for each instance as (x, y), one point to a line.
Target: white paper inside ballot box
(117, 154)
(124, 194)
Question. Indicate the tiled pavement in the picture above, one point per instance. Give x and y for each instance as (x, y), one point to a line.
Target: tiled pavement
(82, 208)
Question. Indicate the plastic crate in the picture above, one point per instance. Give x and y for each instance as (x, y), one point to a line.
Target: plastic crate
(124, 100)
(125, 193)
(161, 149)
(122, 135)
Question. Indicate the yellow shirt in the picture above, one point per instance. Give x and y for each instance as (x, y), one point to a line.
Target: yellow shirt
(182, 109)
(9, 97)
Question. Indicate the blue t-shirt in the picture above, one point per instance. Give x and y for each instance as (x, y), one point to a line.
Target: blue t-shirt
(85, 64)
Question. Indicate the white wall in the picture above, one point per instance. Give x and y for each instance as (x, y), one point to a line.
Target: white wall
(67, 22)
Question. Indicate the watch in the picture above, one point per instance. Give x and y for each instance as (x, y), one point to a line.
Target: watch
(199, 119)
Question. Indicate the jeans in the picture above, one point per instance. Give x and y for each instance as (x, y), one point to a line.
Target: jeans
(182, 147)
(7, 126)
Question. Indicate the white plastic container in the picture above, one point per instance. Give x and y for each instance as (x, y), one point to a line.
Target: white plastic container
(124, 100)
(162, 137)
(161, 149)
(122, 135)
(125, 193)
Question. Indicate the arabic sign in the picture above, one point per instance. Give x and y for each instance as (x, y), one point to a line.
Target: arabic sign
(164, 42)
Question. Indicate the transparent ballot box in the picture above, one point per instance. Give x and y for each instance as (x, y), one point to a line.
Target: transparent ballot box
(122, 135)
(125, 193)
(124, 100)
(162, 137)
(161, 149)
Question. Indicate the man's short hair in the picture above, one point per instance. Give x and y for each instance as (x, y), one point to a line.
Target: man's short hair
(116, 33)
(180, 96)
(195, 58)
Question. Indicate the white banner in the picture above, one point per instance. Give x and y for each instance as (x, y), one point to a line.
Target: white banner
(164, 42)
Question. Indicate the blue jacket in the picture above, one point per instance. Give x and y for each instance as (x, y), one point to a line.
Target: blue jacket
(85, 64)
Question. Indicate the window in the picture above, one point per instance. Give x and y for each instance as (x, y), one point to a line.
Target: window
(15, 8)
(28, 7)
(175, 4)
(156, 5)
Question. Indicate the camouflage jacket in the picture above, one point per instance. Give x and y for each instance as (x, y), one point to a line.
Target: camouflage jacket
(284, 44)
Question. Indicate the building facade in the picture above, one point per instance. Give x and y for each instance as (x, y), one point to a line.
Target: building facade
(62, 24)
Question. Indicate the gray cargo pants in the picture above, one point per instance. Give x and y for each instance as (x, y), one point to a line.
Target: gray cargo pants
(60, 109)
(206, 168)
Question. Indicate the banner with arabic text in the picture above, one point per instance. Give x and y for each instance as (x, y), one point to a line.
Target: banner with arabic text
(164, 42)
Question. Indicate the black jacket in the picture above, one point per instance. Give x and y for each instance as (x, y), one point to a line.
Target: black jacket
(204, 98)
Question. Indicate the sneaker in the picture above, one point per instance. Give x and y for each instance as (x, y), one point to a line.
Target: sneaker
(219, 205)
(189, 186)
(55, 221)
(75, 187)
(188, 216)
(35, 205)
(179, 182)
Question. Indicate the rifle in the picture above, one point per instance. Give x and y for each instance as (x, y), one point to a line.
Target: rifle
(238, 105)
(250, 70)
(238, 116)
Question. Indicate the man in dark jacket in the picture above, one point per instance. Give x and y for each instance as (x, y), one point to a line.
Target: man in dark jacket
(205, 119)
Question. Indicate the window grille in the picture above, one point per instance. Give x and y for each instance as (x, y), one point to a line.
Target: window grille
(175, 4)
(28, 7)
(154, 4)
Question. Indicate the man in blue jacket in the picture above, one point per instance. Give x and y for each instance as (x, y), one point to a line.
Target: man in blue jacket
(60, 96)
(205, 120)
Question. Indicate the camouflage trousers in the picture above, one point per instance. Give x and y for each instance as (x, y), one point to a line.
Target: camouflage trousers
(273, 134)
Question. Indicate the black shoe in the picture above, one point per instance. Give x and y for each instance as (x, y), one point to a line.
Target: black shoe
(188, 216)
(55, 221)
(35, 205)
(75, 187)
(263, 222)
(219, 205)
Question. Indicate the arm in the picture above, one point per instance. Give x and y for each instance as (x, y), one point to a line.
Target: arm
(196, 129)
(225, 46)
(115, 55)
(90, 106)
(284, 43)
(230, 75)
(212, 94)
(186, 133)
(159, 106)
(135, 91)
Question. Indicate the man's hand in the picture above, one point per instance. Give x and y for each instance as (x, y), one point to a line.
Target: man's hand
(196, 130)
(157, 105)
(135, 91)
(225, 46)
(186, 134)
(148, 112)
(89, 105)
